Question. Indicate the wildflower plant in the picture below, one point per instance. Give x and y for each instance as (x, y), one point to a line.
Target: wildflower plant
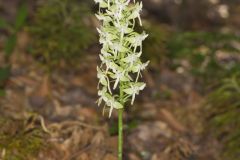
(121, 66)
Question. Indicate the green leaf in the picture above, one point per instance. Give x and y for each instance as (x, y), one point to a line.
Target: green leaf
(21, 16)
(129, 91)
(140, 85)
(118, 105)
(4, 75)
(113, 129)
(124, 78)
(2, 92)
(3, 23)
(103, 81)
(10, 45)
(103, 5)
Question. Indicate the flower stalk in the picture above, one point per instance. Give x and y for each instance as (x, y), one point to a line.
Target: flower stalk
(120, 127)
(121, 66)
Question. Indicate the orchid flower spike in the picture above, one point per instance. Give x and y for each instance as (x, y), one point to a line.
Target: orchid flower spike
(121, 67)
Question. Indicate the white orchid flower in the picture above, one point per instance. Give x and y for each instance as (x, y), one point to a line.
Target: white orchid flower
(119, 75)
(102, 3)
(136, 40)
(103, 17)
(105, 52)
(137, 68)
(111, 65)
(121, 6)
(136, 12)
(106, 36)
(120, 66)
(99, 1)
(101, 94)
(117, 48)
(112, 102)
(134, 90)
(124, 29)
(132, 58)
(106, 61)
(103, 79)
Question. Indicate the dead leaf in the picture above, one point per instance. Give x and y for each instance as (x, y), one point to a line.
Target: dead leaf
(155, 157)
(110, 157)
(45, 88)
(133, 156)
(62, 110)
(22, 40)
(169, 118)
(83, 156)
(98, 139)
(112, 142)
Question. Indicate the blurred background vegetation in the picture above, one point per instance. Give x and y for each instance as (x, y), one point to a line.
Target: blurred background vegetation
(199, 40)
(63, 29)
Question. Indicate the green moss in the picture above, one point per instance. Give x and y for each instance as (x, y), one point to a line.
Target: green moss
(200, 50)
(223, 116)
(19, 143)
(197, 52)
(60, 31)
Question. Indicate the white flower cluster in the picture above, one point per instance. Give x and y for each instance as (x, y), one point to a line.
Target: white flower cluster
(120, 55)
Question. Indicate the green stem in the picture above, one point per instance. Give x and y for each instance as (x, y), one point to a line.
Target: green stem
(120, 126)
(120, 134)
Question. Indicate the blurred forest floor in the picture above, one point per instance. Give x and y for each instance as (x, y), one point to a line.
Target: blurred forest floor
(48, 110)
